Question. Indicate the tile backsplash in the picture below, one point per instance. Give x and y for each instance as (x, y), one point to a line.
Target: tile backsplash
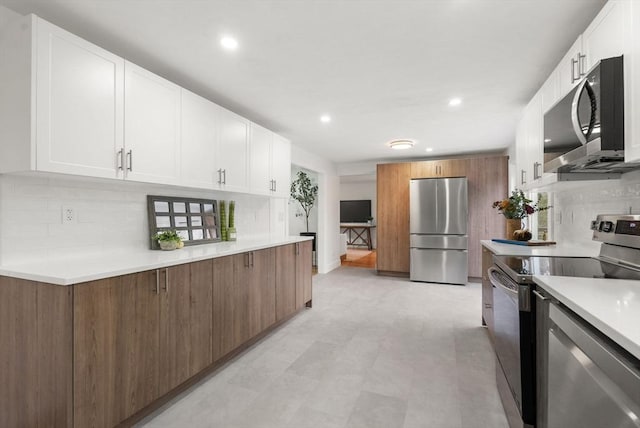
(109, 215)
(576, 204)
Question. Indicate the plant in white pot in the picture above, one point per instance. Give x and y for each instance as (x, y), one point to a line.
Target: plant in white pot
(169, 240)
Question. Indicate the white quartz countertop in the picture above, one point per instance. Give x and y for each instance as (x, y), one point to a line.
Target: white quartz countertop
(610, 305)
(501, 249)
(69, 271)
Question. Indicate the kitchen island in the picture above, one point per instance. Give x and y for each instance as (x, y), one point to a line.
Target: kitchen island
(101, 341)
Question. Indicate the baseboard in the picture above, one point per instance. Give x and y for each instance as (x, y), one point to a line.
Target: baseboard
(474, 279)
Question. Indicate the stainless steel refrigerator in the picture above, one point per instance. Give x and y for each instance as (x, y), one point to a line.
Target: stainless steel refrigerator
(438, 230)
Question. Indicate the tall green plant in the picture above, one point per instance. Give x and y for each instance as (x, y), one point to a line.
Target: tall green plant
(303, 191)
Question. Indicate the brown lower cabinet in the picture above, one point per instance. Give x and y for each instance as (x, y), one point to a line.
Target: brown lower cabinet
(96, 353)
(304, 256)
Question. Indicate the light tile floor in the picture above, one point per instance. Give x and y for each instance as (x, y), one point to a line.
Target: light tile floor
(373, 352)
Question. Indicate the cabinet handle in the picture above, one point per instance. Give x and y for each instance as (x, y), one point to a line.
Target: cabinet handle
(166, 280)
(581, 60)
(220, 176)
(157, 281)
(536, 167)
(275, 186)
(251, 258)
(246, 260)
(130, 160)
(523, 176)
(297, 248)
(540, 296)
(224, 175)
(574, 63)
(120, 159)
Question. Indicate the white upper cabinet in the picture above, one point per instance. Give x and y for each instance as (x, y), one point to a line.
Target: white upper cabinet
(549, 92)
(232, 160)
(199, 142)
(529, 144)
(281, 166)
(569, 68)
(632, 85)
(260, 170)
(152, 127)
(79, 90)
(61, 107)
(270, 163)
(605, 36)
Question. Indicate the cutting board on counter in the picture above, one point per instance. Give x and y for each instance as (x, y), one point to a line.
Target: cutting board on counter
(531, 243)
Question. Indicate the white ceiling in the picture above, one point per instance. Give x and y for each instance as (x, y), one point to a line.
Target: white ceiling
(382, 69)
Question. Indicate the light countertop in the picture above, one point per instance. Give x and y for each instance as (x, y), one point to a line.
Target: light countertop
(501, 249)
(610, 305)
(82, 269)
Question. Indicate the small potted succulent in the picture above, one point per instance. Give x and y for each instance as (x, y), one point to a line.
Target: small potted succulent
(168, 240)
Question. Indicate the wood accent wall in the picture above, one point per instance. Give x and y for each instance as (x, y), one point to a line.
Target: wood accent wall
(487, 182)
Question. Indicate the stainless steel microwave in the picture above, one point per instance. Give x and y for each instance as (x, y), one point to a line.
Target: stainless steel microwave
(584, 131)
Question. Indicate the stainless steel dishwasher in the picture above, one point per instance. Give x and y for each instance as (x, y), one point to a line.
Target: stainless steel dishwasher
(590, 381)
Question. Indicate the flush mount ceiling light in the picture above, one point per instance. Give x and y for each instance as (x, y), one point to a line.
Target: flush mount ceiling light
(401, 144)
(455, 102)
(325, 118)
(429, 149)
(229, 43)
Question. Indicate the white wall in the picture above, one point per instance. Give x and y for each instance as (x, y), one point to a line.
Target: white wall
(111, 215)
(328, 206)
(361, 190)
(577, 203)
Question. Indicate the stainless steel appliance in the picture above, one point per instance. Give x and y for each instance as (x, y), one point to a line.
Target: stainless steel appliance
(438, 230)
(522, 383)
(584, 132)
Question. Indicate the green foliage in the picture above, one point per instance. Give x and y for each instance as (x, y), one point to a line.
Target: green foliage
(168, 235)
(303, 191)
(518, 205)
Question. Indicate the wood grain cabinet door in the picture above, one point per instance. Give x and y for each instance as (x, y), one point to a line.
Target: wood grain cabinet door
(393, 217)
(303, 273)
(262, 291)
(185, 320)
(116, 348)
(285, 281)
(230, 303)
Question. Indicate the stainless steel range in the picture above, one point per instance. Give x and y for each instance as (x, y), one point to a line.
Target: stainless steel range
(514, 296)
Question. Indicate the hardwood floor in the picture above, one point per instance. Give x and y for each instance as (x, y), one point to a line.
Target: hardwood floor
(355, 258)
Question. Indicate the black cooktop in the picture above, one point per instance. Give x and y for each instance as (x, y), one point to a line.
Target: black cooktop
(521, 269)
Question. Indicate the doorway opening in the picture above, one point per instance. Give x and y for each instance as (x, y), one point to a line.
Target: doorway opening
(358, 228)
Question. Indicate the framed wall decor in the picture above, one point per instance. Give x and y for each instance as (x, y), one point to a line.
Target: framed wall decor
(196, 221)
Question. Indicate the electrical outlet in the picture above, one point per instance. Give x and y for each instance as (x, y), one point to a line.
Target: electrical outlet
(68, 215)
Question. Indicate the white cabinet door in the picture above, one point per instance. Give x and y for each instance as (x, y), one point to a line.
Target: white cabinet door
(233, 144)
(152, 127)
(605, 36)
(79, 99)
(569, 69)
(632, 86)
(521, 152)
(535, 134)
(549, 92)
(260, 156)
(281, 166)
(199, 141)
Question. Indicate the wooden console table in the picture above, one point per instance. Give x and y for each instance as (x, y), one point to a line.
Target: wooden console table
(362, 232)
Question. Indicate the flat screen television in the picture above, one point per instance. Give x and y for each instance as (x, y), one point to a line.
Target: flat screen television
(355, 211)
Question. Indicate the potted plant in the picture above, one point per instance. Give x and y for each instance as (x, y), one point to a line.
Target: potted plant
(370, 220)
(169, 240)
(515, 208)
(303, 191)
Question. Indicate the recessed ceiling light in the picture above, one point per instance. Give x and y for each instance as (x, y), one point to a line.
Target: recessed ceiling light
(401, 144)
(229, 43)
(547, 140)
(325, 118)
(429, 149)
(455, 102)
